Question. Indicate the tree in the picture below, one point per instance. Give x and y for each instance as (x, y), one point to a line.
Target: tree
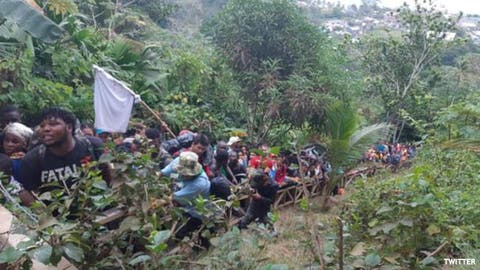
(343, 138)
(395, 62)
(346, 140)
(459, 121)
(272, 47)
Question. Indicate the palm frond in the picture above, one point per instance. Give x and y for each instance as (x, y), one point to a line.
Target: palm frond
(369, 134)
(340, 121)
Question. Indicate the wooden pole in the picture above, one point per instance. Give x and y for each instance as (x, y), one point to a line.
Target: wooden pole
(155, 114)
(340, 243)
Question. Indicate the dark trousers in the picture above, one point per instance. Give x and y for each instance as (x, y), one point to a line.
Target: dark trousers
(190, 226)
(256, 210)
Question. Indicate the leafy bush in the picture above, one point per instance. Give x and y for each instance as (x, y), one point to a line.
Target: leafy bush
(238, 250)
(405, 217)
(137, 240)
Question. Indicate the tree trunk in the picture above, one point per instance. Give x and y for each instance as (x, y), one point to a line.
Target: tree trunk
(400, 131)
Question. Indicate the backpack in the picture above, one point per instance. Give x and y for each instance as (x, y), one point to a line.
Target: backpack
(171, 146)
(185, 140)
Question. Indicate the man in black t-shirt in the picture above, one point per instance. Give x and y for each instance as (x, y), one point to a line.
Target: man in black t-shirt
(60, 156)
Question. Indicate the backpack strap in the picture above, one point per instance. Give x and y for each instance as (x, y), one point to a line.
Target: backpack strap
(42, 149)
(89, 145)
(41, 154)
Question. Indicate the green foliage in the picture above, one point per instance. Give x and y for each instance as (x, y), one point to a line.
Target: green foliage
(284, 81)
(345, 139)
(9, 255)
(157, 10)
(458, 121)
(238, 250)
(193, 86)
(30, 20)
(60, 7)
(286, 66)
(404, 217)
(252, 32)
(395, 62)
(140, 238)
(39, 93)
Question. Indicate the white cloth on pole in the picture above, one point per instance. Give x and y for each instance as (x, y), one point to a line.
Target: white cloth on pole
(113, 102)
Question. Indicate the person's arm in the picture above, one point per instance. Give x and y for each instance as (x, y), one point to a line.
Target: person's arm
(106, 172)
(29, 176)
(185, 195)
(267, 196)
(267, 200)
(168, 170)
(27, 197)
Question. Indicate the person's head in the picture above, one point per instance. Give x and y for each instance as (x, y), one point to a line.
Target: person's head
(221, 158)
(221, 145)
(16, 138)
(188, 166)
(9, 114)
(200, 144)
(140, 129)
(258, 178)
(232, 157)
(241, 155)
(57, 126)
(234, 142)
(87, 130)
(105, 136)
(152, 133)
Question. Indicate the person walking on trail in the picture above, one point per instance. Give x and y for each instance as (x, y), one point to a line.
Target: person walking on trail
(59, 157)
(200, 145)
(261, 201)
(194, 184)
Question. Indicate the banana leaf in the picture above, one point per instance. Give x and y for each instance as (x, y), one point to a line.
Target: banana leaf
(30, 20)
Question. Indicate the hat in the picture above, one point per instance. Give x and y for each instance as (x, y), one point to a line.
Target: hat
(188, 164)
(233, 140)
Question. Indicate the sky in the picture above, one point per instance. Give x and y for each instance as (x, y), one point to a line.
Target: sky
(453, 6)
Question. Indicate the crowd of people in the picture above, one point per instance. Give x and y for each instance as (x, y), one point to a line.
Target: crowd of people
(388, 153)
(49, 156)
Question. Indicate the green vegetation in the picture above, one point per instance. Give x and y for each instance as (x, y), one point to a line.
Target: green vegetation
(262, 67)
(283, 63)
(404, 218)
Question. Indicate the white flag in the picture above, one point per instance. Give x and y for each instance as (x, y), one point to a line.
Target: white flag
(113, 102)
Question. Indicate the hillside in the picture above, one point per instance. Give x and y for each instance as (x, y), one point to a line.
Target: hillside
(308, 90)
